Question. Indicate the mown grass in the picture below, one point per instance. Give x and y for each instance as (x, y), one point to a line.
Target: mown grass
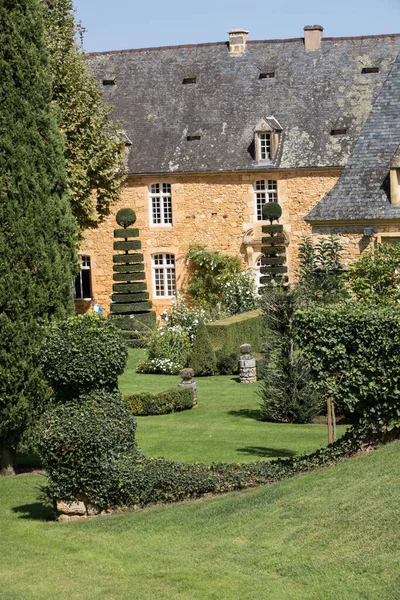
(225, 427)
(328, 535)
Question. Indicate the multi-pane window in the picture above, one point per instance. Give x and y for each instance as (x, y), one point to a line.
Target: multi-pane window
(164, 275)
(264, 139)
(83, 286)
(258, 274)
(161, 204)
(266, 190)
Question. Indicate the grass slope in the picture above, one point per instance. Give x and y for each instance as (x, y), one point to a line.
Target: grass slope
(225, 427)
(328, 535)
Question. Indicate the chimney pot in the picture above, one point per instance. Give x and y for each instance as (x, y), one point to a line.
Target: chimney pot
(237, 41)
(312, 37)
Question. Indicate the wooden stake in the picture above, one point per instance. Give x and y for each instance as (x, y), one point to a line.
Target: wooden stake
(329, 414)
(334, 422)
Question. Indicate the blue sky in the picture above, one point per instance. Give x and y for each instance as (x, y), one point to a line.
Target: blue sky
(118, 24)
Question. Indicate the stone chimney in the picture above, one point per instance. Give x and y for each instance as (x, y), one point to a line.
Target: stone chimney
(237, 41)
(312, 37)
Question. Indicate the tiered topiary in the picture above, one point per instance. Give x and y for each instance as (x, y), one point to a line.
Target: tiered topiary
(273, 261)
(130, 307)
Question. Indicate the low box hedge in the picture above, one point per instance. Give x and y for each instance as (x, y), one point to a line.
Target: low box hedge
(230, 333)
(174, 400)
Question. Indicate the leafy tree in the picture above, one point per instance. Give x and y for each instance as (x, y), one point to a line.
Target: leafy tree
(287, 393)
(375, 277)
(94, 148)
(37, 229)
(321, 274)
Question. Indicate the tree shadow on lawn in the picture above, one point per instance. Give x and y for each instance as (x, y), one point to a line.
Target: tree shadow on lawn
(266, 452)
(247, 413)
(35, 511)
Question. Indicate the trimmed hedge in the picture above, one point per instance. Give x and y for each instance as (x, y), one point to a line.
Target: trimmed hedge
(83, 353)
(229, 334)
(353, 352)
(162, 403)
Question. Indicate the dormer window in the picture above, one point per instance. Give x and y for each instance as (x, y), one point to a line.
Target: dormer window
(266, 139)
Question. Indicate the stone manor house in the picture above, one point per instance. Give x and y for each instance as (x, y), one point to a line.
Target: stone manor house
(216, 130)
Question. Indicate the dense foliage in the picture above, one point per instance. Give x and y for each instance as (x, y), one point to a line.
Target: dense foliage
(321, 274)
(353, 355)
(81, 442)
(81, 354)
(217, 282)
(227, 363)
(375, 276)
(202, 357)
(161, 403)
(94, 146)
(287, 394)
(37, 230)
(168, 351)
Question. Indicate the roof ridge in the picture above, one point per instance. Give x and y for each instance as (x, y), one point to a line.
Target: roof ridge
(249, 42)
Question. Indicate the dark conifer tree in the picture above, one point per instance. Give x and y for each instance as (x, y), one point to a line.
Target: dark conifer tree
(37, 230)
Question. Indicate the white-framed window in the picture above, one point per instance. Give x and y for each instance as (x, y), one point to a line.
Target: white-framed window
(83, 281)
(160, 203)
(257, 273)
(265, 190)
(164, 280)
(264, 140)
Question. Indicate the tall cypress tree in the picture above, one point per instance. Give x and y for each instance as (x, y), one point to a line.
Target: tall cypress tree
(37, 230)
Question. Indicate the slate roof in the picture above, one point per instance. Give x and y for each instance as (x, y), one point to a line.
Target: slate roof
(363, 190)
(311, 94)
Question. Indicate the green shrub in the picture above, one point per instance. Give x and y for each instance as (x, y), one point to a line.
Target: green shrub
(375, 277)
(229, 334)
(168, 351)
(260, 366)
(353, 353)
(202, 358)
(83, 353)
(80, 442)
(162, 403)
(227, 364)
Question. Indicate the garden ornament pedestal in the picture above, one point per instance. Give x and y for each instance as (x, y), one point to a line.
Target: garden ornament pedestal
(247, 365)
(188, 382)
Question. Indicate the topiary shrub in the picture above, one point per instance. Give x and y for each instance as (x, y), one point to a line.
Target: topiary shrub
(83, 353)
(162, 403)
(125, 217)
(272, 211)
(202, 358)
(80, 442)
(273, 269)
(227, 363)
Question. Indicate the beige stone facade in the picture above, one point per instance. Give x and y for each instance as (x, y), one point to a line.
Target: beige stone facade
(218, 211)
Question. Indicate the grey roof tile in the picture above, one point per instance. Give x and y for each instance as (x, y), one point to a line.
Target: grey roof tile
(310, 94)
(363, 190)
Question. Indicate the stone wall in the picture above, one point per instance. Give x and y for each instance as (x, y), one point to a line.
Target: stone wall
(215, 210)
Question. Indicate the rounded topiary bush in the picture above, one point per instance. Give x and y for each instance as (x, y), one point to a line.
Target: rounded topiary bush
(271, 211)
(125, 217)
(81, 354)
(81, 443)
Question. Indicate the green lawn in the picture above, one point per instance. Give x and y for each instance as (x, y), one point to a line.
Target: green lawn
(225, 427)
(328, 535)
